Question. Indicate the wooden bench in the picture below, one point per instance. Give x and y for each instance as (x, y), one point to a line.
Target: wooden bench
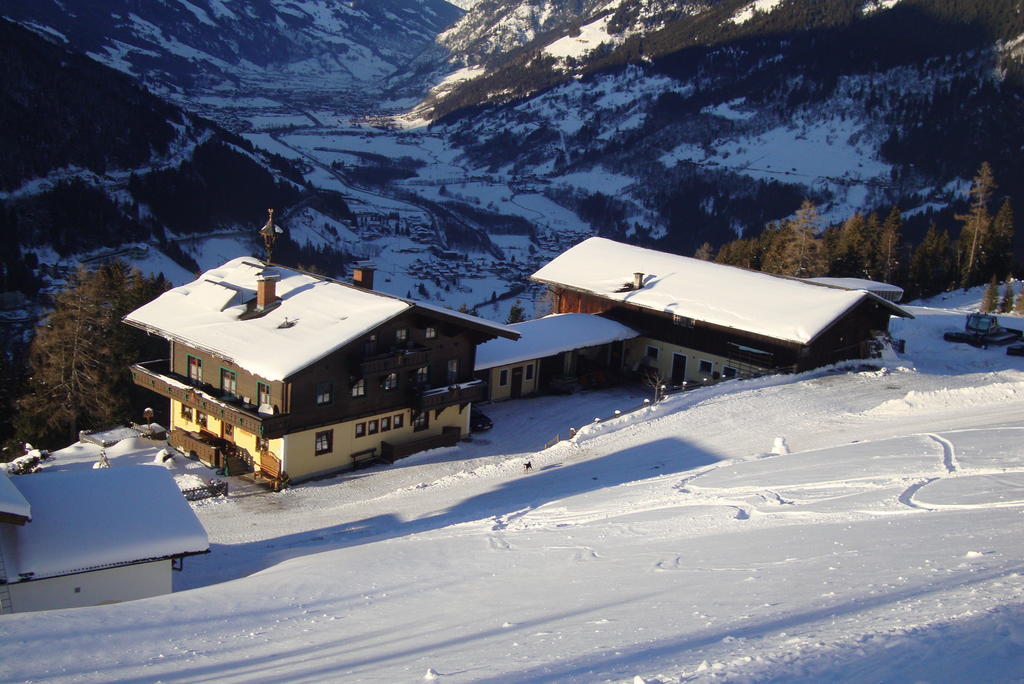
(270, 470)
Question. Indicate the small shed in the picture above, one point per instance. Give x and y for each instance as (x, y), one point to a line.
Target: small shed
(894, 293)
(92, 537)
(556, 348)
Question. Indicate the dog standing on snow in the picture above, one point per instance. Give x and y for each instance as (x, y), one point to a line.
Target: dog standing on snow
(527, 467)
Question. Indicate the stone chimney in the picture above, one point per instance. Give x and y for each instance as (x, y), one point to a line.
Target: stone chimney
(362, 276)
(638, 281)
(266, 290)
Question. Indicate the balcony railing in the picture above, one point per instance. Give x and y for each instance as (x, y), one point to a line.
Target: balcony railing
(397, 360)
(228, 409)
(442, 397)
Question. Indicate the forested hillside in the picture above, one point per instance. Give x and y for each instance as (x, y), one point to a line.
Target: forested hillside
(92, 161)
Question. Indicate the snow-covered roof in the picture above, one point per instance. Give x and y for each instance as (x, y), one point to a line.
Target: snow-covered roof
(778, 307)
(506, 331)
(891, 292)
(551, 335)
(12, 502)
(98, 518)
(313, 317)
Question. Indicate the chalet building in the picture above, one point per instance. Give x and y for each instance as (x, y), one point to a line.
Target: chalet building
(560, 352)
(85, 538)
(699, 321)
(294, 375)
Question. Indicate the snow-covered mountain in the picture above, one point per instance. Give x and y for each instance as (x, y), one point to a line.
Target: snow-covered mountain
(494, 29)
(718, 117)
(668, 124)
(244, 45)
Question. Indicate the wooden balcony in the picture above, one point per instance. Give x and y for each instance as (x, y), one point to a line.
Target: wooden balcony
(440, 398)
(227, 409)
(394, 361)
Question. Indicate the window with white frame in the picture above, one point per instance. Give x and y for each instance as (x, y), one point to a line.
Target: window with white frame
(324, 442)
(706, 367)
(228, 382)
(195, 368)
(324, 393)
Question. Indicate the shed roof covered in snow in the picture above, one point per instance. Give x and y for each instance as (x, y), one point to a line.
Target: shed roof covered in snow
(774, 306)
(14, 508)
(549, 336)
(309, 317)
(893, 293)
(89, 520)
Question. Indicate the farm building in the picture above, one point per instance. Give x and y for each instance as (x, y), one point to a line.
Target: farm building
(699, 321)
(292, 375)
(72, 539)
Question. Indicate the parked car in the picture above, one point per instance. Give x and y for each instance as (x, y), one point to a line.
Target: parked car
(478, 420)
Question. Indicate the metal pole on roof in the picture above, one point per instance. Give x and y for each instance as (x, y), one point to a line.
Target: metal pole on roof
(270, 232)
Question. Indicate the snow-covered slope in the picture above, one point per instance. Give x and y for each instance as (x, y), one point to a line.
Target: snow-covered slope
(860, 524)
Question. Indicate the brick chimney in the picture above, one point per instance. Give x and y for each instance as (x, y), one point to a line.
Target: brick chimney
(266, 290)
(638, 281)
(362, 276)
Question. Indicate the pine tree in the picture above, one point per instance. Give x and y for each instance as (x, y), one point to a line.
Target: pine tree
(1006, 303)
(516, 313)
(977, 224)
(739, 252)
(844, 260)
(931, 266)
(1018, 307)
(79, 361)
(705, 252)
(999, 252)
(991, 296)
(888, 255)
(796, 249)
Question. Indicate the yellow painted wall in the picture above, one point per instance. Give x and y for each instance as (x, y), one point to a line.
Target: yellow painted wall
(501, 392)
(299, 448)
(241, 437)
(635, 350)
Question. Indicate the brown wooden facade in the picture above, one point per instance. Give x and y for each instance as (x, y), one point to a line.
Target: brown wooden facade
(421, 361)
(847, 338)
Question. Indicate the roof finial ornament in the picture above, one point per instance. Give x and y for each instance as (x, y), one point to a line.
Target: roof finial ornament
(270, 232)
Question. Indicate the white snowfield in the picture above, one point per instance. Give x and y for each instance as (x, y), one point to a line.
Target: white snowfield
(851, 524)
